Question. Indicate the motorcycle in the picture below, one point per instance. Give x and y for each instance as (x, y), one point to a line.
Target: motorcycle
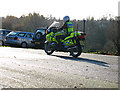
(72, 43)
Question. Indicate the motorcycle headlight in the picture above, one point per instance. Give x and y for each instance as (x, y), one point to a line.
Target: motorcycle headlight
(47, 31)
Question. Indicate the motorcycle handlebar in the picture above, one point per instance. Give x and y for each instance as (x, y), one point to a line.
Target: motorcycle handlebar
(53, 29)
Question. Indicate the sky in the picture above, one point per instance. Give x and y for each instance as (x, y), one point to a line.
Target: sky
(76, 9)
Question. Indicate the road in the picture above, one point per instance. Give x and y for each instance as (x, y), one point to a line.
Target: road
(32, 68)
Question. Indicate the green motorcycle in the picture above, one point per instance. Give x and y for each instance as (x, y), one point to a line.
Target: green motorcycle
(72, 43)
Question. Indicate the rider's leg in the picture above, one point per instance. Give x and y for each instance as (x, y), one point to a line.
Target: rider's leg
(59, 37)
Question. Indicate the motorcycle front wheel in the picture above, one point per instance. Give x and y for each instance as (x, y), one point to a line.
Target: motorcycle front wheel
(77, 51)
(48, 49)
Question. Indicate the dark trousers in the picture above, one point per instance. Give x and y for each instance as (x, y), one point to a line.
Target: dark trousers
(60, 37)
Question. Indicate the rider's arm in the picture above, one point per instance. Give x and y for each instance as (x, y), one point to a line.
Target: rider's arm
(63, 27)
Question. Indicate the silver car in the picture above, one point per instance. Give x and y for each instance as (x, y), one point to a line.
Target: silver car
(20, 38)
(3, 33)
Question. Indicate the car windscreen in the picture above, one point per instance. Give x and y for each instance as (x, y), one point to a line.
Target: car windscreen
(21, 34)
(29, 35)
(5, 32)
(41, 30)
(12, 33)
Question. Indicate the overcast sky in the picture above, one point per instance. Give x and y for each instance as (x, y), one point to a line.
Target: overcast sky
(76, 9)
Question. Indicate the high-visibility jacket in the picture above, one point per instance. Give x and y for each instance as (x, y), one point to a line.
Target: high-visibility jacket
(69, 29)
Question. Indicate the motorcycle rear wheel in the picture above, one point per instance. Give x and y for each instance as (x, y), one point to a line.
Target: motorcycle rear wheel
(78, 50)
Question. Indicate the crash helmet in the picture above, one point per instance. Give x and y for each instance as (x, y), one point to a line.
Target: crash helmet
(66, 18)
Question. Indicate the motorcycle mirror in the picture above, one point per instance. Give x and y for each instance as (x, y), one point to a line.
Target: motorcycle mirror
(46, 27)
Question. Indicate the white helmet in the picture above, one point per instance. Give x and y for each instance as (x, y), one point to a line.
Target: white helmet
(66, 18)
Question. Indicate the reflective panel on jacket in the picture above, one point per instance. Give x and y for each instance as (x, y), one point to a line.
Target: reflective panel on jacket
(70, 28)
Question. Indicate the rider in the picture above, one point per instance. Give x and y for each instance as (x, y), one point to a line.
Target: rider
(67, 27)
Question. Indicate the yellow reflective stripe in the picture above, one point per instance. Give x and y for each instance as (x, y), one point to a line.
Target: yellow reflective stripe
(70, 27)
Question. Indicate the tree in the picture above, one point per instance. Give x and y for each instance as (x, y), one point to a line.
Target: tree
(9, 22)
(112, 35)
(117, 38)
(33, 21)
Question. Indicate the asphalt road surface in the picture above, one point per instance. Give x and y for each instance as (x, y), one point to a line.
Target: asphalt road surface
(33, 68)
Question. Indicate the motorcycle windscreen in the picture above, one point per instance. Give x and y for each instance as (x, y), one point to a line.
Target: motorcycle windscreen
(54, 24)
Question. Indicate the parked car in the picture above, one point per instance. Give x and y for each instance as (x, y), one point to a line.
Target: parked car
(3, 33)
(20, 38)
(39, 37)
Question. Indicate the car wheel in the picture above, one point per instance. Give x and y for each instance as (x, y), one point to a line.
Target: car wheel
(38, 36)
(24, 45)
